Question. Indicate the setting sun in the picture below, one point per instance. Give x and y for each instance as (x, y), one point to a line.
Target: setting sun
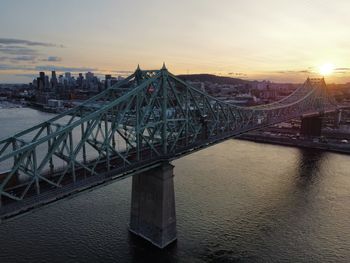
(326, 69)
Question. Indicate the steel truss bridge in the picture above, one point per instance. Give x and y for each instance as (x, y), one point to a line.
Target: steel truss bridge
(150, 116)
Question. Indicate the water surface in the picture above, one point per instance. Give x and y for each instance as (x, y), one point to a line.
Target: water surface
(237, 201)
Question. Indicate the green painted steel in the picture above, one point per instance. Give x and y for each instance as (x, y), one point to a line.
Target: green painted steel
(150, 116)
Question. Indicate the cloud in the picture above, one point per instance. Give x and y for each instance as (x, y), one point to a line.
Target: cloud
(13, 41)
(13, 67)
(304, 71)
(121, 72)
(17, 50)
(29, 58)
(62, 68)
(24, 58)
(52, 59)
(342, 70)
(26, 75)
(45, 68)
(24, 48)
(237, 74)
(16, 59)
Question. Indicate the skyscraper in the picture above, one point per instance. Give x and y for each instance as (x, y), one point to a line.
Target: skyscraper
(41, 81)
(89, 78)
(60, 79)
(108, 81)
(80, 80)
(67, 75)
(53, 80)
(46, 83)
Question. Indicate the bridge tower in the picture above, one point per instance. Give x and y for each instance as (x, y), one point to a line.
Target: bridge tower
(153, 205)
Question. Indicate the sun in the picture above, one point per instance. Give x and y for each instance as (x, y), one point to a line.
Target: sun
(326, 69)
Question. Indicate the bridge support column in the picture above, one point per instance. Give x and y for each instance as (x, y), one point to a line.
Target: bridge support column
(311, 126)
(337, 119)
(153, 205)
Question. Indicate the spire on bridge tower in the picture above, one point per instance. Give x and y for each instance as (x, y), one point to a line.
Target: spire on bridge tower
(138, 74)
(164, 67)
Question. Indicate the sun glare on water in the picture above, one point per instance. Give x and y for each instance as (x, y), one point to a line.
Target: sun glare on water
(326, 69)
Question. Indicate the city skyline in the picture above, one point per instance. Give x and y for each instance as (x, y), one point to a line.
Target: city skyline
(281, 41)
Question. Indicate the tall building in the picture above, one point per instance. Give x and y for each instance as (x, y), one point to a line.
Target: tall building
(68, 78)
(53, 80)
(42, 75)
(68, 75)
(108, 79)
(60, 79)
(89, 76)
(41, 81)
(46, 83)
(35, 83)
(80, 80)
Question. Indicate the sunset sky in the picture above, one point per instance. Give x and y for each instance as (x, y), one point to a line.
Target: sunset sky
(280, 40)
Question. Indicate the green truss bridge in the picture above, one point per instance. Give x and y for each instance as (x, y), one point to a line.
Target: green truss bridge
(135, 127)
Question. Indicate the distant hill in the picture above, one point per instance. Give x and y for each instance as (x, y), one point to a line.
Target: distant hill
(213, 79)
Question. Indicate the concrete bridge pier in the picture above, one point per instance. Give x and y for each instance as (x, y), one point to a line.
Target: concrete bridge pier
(337, 119)
(311, 126)
(153, 205)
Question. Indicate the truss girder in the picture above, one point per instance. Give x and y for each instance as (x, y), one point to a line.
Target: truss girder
(151, 115)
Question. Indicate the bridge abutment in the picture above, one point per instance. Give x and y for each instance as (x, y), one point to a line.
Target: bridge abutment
(153, 205)
(311, 126)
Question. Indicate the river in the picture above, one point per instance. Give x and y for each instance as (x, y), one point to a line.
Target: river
(237, 201)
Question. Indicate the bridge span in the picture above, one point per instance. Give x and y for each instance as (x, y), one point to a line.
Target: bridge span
(136, 127)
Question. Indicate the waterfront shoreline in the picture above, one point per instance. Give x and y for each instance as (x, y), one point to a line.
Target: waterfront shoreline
(9, 105)
(295, 143)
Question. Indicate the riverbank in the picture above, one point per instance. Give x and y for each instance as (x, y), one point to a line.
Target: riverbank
(301, 143)
(9, 105)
